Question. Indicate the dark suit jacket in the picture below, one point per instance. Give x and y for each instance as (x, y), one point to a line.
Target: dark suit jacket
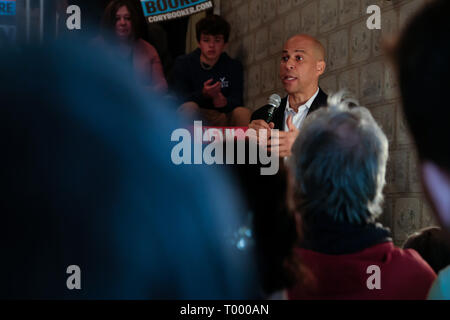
(278, 114)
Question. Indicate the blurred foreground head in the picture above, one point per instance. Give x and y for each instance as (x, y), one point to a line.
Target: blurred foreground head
(422, 60)
(340, 164)
(87, 180)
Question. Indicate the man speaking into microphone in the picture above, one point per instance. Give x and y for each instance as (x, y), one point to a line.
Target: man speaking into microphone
(301, 65)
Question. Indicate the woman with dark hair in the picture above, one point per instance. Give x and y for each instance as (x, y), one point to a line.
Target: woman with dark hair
(121, 29)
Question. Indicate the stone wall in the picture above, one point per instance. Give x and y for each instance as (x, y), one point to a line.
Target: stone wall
(355, 60)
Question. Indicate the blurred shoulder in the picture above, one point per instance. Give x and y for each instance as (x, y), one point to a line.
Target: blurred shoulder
(441, 287)
(97, 42)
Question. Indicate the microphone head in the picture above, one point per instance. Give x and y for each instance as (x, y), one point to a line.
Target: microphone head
(274, 100)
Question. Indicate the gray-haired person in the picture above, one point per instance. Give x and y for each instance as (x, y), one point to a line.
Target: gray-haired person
(339, 162)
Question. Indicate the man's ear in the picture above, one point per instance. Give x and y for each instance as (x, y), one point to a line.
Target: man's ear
(320, 65)
(436, 182)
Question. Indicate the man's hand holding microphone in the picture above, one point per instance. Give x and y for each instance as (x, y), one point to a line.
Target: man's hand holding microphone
(285, 138)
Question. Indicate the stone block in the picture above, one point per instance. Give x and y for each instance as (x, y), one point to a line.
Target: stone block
(309, 19)
(249, 49)
(415, 184)
(401, 171)
(389, 22)
(236, 3)
(292, 24)
(269, 10)
(386, 217)
(397, 172)
(247, 101)
(279, 84)
(276, 37)
(241, 23)
(349, 10)
(349, 80)
(408, 10)
(429, 218)
(234, 31)
(328, 83)
(254, 81)
(385, 117)
(328, 15)
(391, 88)
(389, 28)
(407, 217)
(371, 82)
(225, 6)
(360, 42)
(389, 187)
(261, 43)
(260, 101)
(338, 50)
(366, 3)
(255, 14)
(403, 135)
(296, 3)
(284, 6)
(268, 76)
(235, 50)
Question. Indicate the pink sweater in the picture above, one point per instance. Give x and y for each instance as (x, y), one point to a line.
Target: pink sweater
(146, 63)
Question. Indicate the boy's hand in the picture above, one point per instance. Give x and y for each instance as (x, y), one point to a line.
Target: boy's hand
(211, 90)
(220, 101)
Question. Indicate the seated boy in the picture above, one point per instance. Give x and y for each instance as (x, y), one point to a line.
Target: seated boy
(209, 82)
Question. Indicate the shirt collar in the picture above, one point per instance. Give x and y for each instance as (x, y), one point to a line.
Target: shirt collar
(307, 104)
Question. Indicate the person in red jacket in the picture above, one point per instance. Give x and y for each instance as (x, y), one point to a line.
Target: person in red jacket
(340, 163)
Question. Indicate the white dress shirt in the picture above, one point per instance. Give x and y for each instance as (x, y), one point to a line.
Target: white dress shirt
(298, 117)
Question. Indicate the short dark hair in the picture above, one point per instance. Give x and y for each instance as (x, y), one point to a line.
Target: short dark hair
(421, 56)
(213, 25)
(109, 18)
(431, 243)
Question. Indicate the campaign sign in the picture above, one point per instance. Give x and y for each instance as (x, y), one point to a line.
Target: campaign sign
(162, 10)
(7, 7)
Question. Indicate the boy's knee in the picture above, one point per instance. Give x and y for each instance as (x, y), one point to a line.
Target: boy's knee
(189, 108)
(240, 117)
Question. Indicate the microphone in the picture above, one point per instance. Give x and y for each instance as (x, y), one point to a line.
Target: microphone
(273, 102)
